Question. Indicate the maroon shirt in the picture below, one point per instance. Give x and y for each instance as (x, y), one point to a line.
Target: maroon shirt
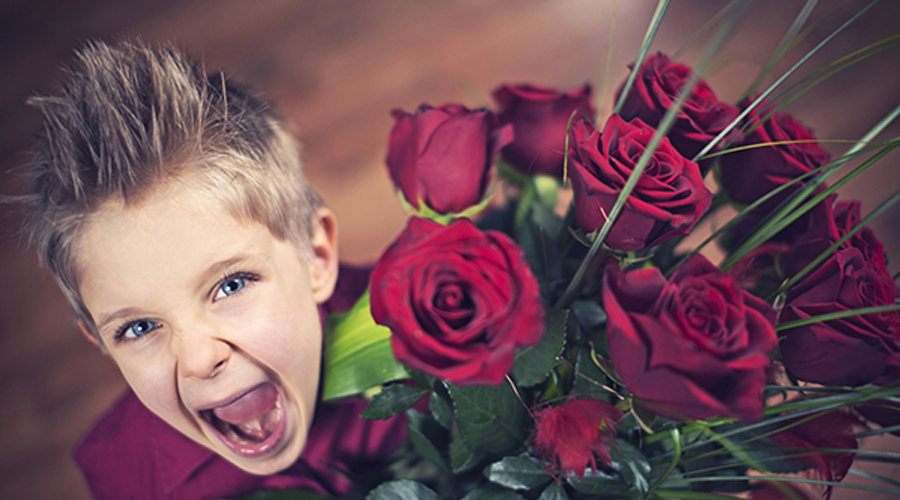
(131, 453)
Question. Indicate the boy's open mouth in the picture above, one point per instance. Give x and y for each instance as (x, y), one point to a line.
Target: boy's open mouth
(253, 424)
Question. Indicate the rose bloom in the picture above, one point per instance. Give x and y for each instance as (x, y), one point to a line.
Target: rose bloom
(539, 116)
(692, 347)
(573, 434)
(667, 201)
(834, 430)
(854, 350)
(749, 174)
(458, 301)
(442, 156)
(657, 87)
(883, 412)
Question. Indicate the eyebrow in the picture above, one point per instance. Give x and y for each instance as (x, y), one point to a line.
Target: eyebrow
(218, 268)
(121, 313)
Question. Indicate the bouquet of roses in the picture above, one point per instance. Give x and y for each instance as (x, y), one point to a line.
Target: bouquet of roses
(548, 336)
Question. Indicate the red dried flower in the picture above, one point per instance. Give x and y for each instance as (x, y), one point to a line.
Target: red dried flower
(572, 434)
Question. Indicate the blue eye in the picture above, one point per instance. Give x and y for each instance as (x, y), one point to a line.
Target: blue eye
(136, 329)
(230, 286)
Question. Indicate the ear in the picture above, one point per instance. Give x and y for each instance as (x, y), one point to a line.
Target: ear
(323, 269)
(91, 338)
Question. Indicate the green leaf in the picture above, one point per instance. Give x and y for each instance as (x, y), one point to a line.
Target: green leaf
(486, 494)
(357, 354)
(518, 473)
(392, 400)
(554, 491)
(422, 434)
(462, 458)
(589, 379)
(595, 482)
(284, 495)
(490, 419)
(691, 495)
(631, 464)
(534, 363)
(441, 410)
(402, 489)
(642, 53)
(589, 313)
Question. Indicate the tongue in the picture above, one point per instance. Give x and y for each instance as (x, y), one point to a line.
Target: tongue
(249, 407)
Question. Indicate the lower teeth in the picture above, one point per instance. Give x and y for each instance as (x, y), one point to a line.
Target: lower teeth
(254, 432)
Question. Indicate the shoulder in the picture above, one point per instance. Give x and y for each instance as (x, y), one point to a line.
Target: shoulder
(342, 444)
(115, 456)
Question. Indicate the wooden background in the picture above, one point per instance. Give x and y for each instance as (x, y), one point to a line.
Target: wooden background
(335, 69)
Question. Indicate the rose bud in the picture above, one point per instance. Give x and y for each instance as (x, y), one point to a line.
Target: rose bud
(442, 156)
(667, 201)
(539, 116)
(656, 88)
(458, 301)
(692, 347)
(573, 435)
(749, 174)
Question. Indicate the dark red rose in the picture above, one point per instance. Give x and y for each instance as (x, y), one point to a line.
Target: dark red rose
(846, 217)
(883, 412)
(539, 116)
(749, 174)
(571, 435)
(657, 87)
(829, 430)
(442, 156)
(854, 350)
(692, 347)
(458, 301)
(758, 271)
(667, 201)
(826, 223)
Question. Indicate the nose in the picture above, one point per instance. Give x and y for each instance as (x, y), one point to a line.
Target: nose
(200, 352)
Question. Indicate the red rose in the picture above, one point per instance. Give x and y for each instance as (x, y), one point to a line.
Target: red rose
(883, 412)
(691, 347)
(539, 116)
(853, 350)
(747, 175)
(657, 87)
(846, 217)
(572, 434)
(829, 430)
(443, 156)
(667, 201)
(458, 301)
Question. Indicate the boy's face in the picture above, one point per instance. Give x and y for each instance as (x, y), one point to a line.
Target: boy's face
(212, 321)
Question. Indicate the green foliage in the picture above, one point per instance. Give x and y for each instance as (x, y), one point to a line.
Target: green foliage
(487, 494)
(490, 419)
(357, 354)
(554, 491)
(393, 399)
(427, 438)
(403, 489)
(519, 473)
(534, 363)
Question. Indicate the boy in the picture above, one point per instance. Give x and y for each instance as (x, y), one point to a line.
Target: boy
(172, 211)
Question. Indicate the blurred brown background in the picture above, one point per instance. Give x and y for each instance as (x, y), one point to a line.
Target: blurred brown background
(335, 69)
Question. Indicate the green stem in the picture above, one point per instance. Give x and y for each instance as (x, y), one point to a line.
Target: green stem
(642, 53)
